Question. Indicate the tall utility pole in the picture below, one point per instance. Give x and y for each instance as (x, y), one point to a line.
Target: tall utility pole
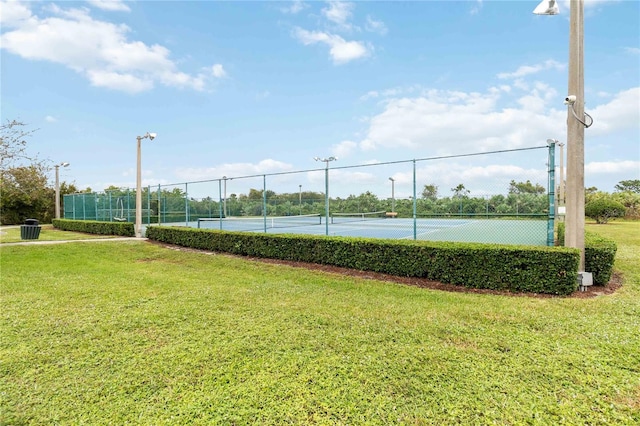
(150, 136)
(393, 194)
(326, 190)
(57, 166)
(574, 219)
(574, 228)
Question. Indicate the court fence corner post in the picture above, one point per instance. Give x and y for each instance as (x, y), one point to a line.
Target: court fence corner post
(552, 195)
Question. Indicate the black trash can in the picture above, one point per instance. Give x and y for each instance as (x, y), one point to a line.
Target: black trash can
(30, 230)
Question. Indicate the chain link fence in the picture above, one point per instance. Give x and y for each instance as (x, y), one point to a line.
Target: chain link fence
(490, 198)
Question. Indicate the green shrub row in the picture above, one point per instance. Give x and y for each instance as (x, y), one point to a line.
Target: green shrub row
(124, 229)
(599, 255)
(551, 270)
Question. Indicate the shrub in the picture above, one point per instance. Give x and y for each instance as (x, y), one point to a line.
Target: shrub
(599, 255)
(631, 202)
(124, 229)
(603, 209)
(551, 270)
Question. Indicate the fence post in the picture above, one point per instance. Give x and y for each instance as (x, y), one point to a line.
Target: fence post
(415, 204)
(159, 211)
(186, 204)
(551, 190)
(264, 201)
(128, 206)
(220, 203)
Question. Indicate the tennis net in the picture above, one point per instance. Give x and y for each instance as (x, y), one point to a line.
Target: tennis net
(251, 223)
(357, 217)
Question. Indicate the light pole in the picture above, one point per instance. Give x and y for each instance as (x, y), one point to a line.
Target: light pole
(150, 136)
(224, 200)
(574, 227)
(300, 198)
(326, 190)
(393, 194)
(57, 166)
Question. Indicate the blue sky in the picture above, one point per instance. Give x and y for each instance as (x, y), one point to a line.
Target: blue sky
(244, 88)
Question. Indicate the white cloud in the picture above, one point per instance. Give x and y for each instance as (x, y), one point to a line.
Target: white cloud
(453, 121)
(372, 94)
(532, 69)
(13, 13)
(476, 8)
(339, 13)
(118, 81)
(110, 5)
(344, 149)
(480, 180)
(296, 6)
(375, 26)
(632, 50)
(341, 51)
(99, 50)
(50, 119)
(612, 167)
(218, 71)
(233, 169)
(622, 112)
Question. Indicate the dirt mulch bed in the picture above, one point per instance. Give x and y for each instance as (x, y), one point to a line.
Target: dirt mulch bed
(593, 291)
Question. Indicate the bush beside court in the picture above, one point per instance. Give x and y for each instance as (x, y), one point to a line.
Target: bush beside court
(124, 229)
(550, 270)
(599, 255)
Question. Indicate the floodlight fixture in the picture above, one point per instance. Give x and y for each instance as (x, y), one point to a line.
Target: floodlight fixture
(547, 7)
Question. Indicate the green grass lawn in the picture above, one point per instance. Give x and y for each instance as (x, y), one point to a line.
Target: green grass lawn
(11, 234)
(131, 332)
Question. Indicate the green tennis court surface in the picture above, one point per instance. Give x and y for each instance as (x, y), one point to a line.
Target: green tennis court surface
(500, 231)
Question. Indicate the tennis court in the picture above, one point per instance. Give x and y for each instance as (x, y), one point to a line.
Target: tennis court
(491, 230)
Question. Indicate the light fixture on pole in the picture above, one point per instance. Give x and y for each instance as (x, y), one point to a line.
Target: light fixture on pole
(393, 194)
(150, 136)
(547, 7)
(57, 166)
(326, 190)
(574, 227)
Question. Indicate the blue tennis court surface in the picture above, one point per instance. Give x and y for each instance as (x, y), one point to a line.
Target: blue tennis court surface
(499, 231)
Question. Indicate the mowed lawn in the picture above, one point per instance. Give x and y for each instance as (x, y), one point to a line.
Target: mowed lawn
(135, 333)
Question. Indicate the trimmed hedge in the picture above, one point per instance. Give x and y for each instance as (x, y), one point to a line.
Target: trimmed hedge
(124, 229)
(551, 270)
(599, 255)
